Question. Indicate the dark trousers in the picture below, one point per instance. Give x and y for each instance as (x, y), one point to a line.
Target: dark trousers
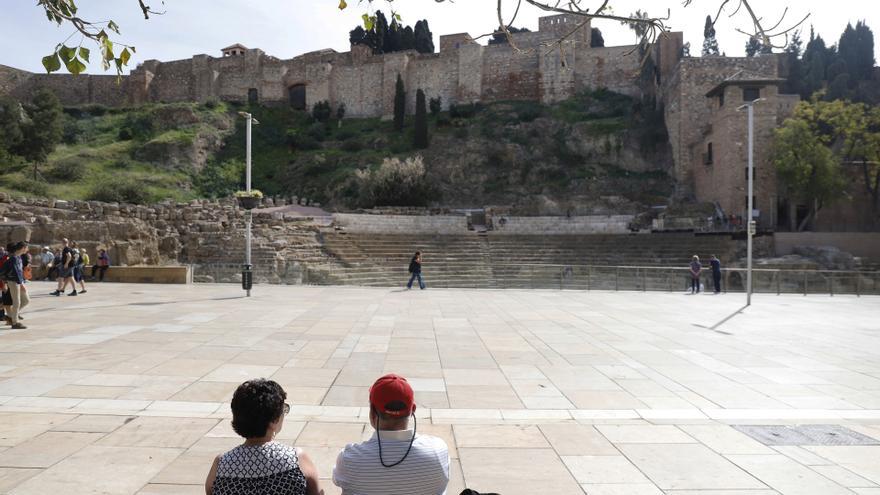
(716, 279)
(416, 275)
(695, 284)
(101, 269)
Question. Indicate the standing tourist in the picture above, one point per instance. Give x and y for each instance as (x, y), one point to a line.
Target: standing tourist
(395, 460)
(261, 466)
(716, 273)
(695, 269)
(102, 265)
(13, 274)
(415, 268)
(5, 296)
(79, 272)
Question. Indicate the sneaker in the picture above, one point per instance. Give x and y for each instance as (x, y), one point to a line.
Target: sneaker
(72, 293)
(55, 293)
(82, 291)
(18, 326)
(20, 317)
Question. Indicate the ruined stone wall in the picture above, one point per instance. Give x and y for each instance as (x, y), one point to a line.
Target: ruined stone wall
(616, 68)
(509, 75)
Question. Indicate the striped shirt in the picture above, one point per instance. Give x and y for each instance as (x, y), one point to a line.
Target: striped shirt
(425, 471)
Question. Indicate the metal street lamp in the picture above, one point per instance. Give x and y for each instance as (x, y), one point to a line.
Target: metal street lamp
(247, 269)
(751, 224)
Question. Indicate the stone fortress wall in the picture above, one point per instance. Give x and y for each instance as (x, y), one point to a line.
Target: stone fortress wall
(463, 71)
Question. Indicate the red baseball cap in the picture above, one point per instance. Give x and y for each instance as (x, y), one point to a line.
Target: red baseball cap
(392, 388)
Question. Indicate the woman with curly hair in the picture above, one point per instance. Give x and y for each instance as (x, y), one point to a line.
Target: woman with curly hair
(261, 465)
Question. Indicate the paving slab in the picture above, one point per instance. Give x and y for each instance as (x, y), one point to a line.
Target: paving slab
(533, 391)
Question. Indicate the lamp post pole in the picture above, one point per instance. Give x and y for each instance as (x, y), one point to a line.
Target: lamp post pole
(248, 267)
(750, 226)
(250, 216)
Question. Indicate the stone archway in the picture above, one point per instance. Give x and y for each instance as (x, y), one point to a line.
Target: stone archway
(297, 96)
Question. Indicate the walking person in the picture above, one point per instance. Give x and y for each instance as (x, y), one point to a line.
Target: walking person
(102, 265)
(415, 268)
(65, 270)
(13, 274)
(79, 270)
(696, 268)
(716, 273)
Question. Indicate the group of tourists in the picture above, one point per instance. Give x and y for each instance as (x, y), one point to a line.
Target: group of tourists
(66, 265)
(696, 269)
(396, 460)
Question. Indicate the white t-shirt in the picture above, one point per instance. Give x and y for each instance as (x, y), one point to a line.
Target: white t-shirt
(425, 471)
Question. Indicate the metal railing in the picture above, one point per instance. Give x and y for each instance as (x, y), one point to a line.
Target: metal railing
(570, 277)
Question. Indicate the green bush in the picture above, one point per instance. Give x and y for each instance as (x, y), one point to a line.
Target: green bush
(352, 145)
(95, 110)
(300, 141)
(396, 183)
(121, 164)
(139, 126)
(120, 190)
(317, 131)
(464, 111)
(220, 179)
(26, 185)
(125, 134)
(66, 171)
(70, 132)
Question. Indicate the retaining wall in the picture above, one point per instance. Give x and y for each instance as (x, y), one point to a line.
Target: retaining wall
(862, 244)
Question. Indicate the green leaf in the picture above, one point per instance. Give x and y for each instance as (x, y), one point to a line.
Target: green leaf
(342, 5)
(67, 53)
(125, 56)
(368, 22)
(84, 53)
(107, 49)
(75, 66)
(397, 16)
(52, 63)
(132, 49)
(113, 27)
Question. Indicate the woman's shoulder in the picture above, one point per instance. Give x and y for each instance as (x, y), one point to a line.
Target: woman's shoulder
(271, 457)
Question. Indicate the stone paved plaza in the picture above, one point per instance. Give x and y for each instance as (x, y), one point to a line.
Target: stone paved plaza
(125, 389)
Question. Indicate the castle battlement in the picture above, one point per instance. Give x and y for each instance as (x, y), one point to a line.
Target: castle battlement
(463, 71)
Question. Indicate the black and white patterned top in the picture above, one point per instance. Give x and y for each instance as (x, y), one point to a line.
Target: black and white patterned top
(268, 469)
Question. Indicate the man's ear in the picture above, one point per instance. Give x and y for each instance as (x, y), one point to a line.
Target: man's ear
(414, 410)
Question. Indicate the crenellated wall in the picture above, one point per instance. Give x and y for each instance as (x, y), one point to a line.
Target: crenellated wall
(464, 71)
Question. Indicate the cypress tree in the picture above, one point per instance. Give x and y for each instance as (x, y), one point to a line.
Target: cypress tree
(399, 103)
(753, 46)
(596, 38)
(424, 39)
(421, 132)
(710, 44)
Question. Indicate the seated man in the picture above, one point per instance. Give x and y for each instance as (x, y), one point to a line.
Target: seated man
(395, 461)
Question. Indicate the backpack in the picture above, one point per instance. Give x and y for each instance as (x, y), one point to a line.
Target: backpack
(411, 267)
(5, 266)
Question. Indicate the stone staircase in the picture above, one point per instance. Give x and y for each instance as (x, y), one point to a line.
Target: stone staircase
(490, 260)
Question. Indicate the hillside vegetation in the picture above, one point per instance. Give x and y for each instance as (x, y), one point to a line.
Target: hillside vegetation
(538, 157)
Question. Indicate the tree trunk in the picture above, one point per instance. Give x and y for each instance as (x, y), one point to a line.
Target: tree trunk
(807, 219)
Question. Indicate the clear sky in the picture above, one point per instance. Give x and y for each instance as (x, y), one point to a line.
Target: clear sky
(286, 28)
